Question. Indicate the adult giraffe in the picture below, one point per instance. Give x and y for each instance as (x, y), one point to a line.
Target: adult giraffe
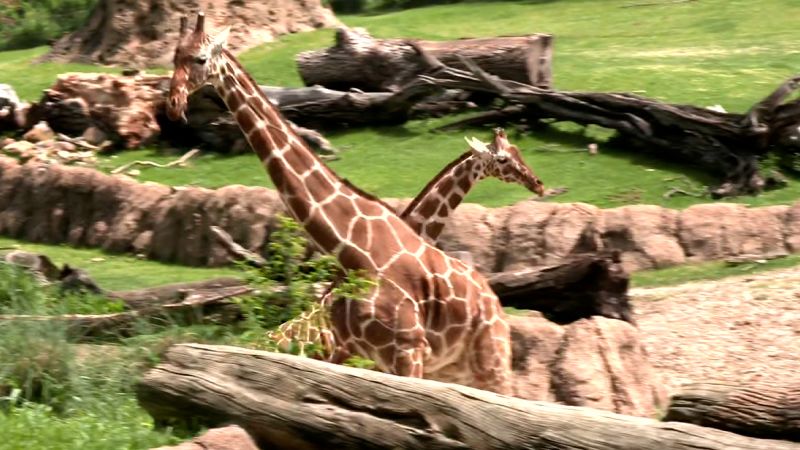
(430, 315)
(426, 214)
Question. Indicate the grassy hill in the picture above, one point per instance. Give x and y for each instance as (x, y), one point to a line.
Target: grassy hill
(730, 53)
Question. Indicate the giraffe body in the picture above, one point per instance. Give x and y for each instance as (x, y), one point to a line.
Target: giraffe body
(430, 314)
(427, 215)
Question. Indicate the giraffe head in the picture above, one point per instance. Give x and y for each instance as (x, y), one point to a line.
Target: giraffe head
(503, 160)
(196, 61)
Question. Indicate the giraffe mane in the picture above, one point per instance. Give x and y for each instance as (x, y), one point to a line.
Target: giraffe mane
(363, 193)
(428, 187)
(230, 57)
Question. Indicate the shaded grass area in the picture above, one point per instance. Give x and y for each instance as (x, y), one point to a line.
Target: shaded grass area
(120, 272)
(712, 270)
(703, 53)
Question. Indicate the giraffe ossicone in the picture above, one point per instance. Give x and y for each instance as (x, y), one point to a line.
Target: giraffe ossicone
(430, 315)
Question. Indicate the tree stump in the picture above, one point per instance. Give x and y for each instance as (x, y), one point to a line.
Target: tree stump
(137, 33)
(357, 60)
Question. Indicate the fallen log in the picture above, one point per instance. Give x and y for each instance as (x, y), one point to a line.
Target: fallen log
(171, 293)
(579, 287)
(357, 60)
(298, 402)
(759, 409)
(199, 307)
(725, 144)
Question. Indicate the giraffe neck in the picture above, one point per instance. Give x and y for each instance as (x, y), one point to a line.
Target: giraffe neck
(428, 212)
(311, 191)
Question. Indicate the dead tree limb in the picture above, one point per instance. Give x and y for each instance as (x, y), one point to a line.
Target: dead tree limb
(759, 409)
(139, 299)
(237, 250)
(581, 286)
(725, 144)
(178, 162)
(298, 402)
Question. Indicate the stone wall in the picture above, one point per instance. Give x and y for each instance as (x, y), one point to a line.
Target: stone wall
(83, 207)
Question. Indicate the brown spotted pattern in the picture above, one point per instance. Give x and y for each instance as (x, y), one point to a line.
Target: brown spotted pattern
(417, 284)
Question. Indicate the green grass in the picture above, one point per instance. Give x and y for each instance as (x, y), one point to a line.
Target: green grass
(704, 53)
(713, 270)
(126, 426)
(120, 272)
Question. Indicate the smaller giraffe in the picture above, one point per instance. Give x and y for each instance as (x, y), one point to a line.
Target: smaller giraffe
(427, 214)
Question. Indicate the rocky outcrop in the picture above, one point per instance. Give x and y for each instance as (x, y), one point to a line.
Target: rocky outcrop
(231, 437)
(135, 33)
(596, 362)
(127, 111)
(83, 207)
(80, 206)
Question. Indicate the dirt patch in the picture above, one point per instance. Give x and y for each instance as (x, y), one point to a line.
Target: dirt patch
(736, 330)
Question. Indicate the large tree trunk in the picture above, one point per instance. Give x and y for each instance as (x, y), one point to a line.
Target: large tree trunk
(357, 60)
(143, 33)
(725, 144)
(287, 402)
(762, 409)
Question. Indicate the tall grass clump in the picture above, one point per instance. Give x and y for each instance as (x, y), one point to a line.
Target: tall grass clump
(35, 357)
(57, 394)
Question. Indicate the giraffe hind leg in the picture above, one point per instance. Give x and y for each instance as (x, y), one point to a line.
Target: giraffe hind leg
(490, 358)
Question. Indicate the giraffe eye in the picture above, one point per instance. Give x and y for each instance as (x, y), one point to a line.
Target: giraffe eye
(200, 60)
(502, 159)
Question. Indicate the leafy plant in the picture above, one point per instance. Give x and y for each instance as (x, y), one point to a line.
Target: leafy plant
(291, 284)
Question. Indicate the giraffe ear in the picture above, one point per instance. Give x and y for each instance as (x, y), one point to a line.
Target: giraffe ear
(220, 41)
(477, 146)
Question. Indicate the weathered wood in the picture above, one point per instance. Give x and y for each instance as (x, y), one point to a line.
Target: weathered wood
(171, 293)
(759, 409)
(357, 60)
(725, 144)
(579, 287)
(288, 402)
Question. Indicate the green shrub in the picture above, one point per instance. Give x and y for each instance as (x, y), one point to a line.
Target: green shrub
(289, 284)
(30, 23)
(286, 284)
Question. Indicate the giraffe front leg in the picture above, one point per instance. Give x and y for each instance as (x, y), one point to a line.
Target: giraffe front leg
(340, 355)
(409, 362)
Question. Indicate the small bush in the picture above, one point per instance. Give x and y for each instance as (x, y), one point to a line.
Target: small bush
(30, 23)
